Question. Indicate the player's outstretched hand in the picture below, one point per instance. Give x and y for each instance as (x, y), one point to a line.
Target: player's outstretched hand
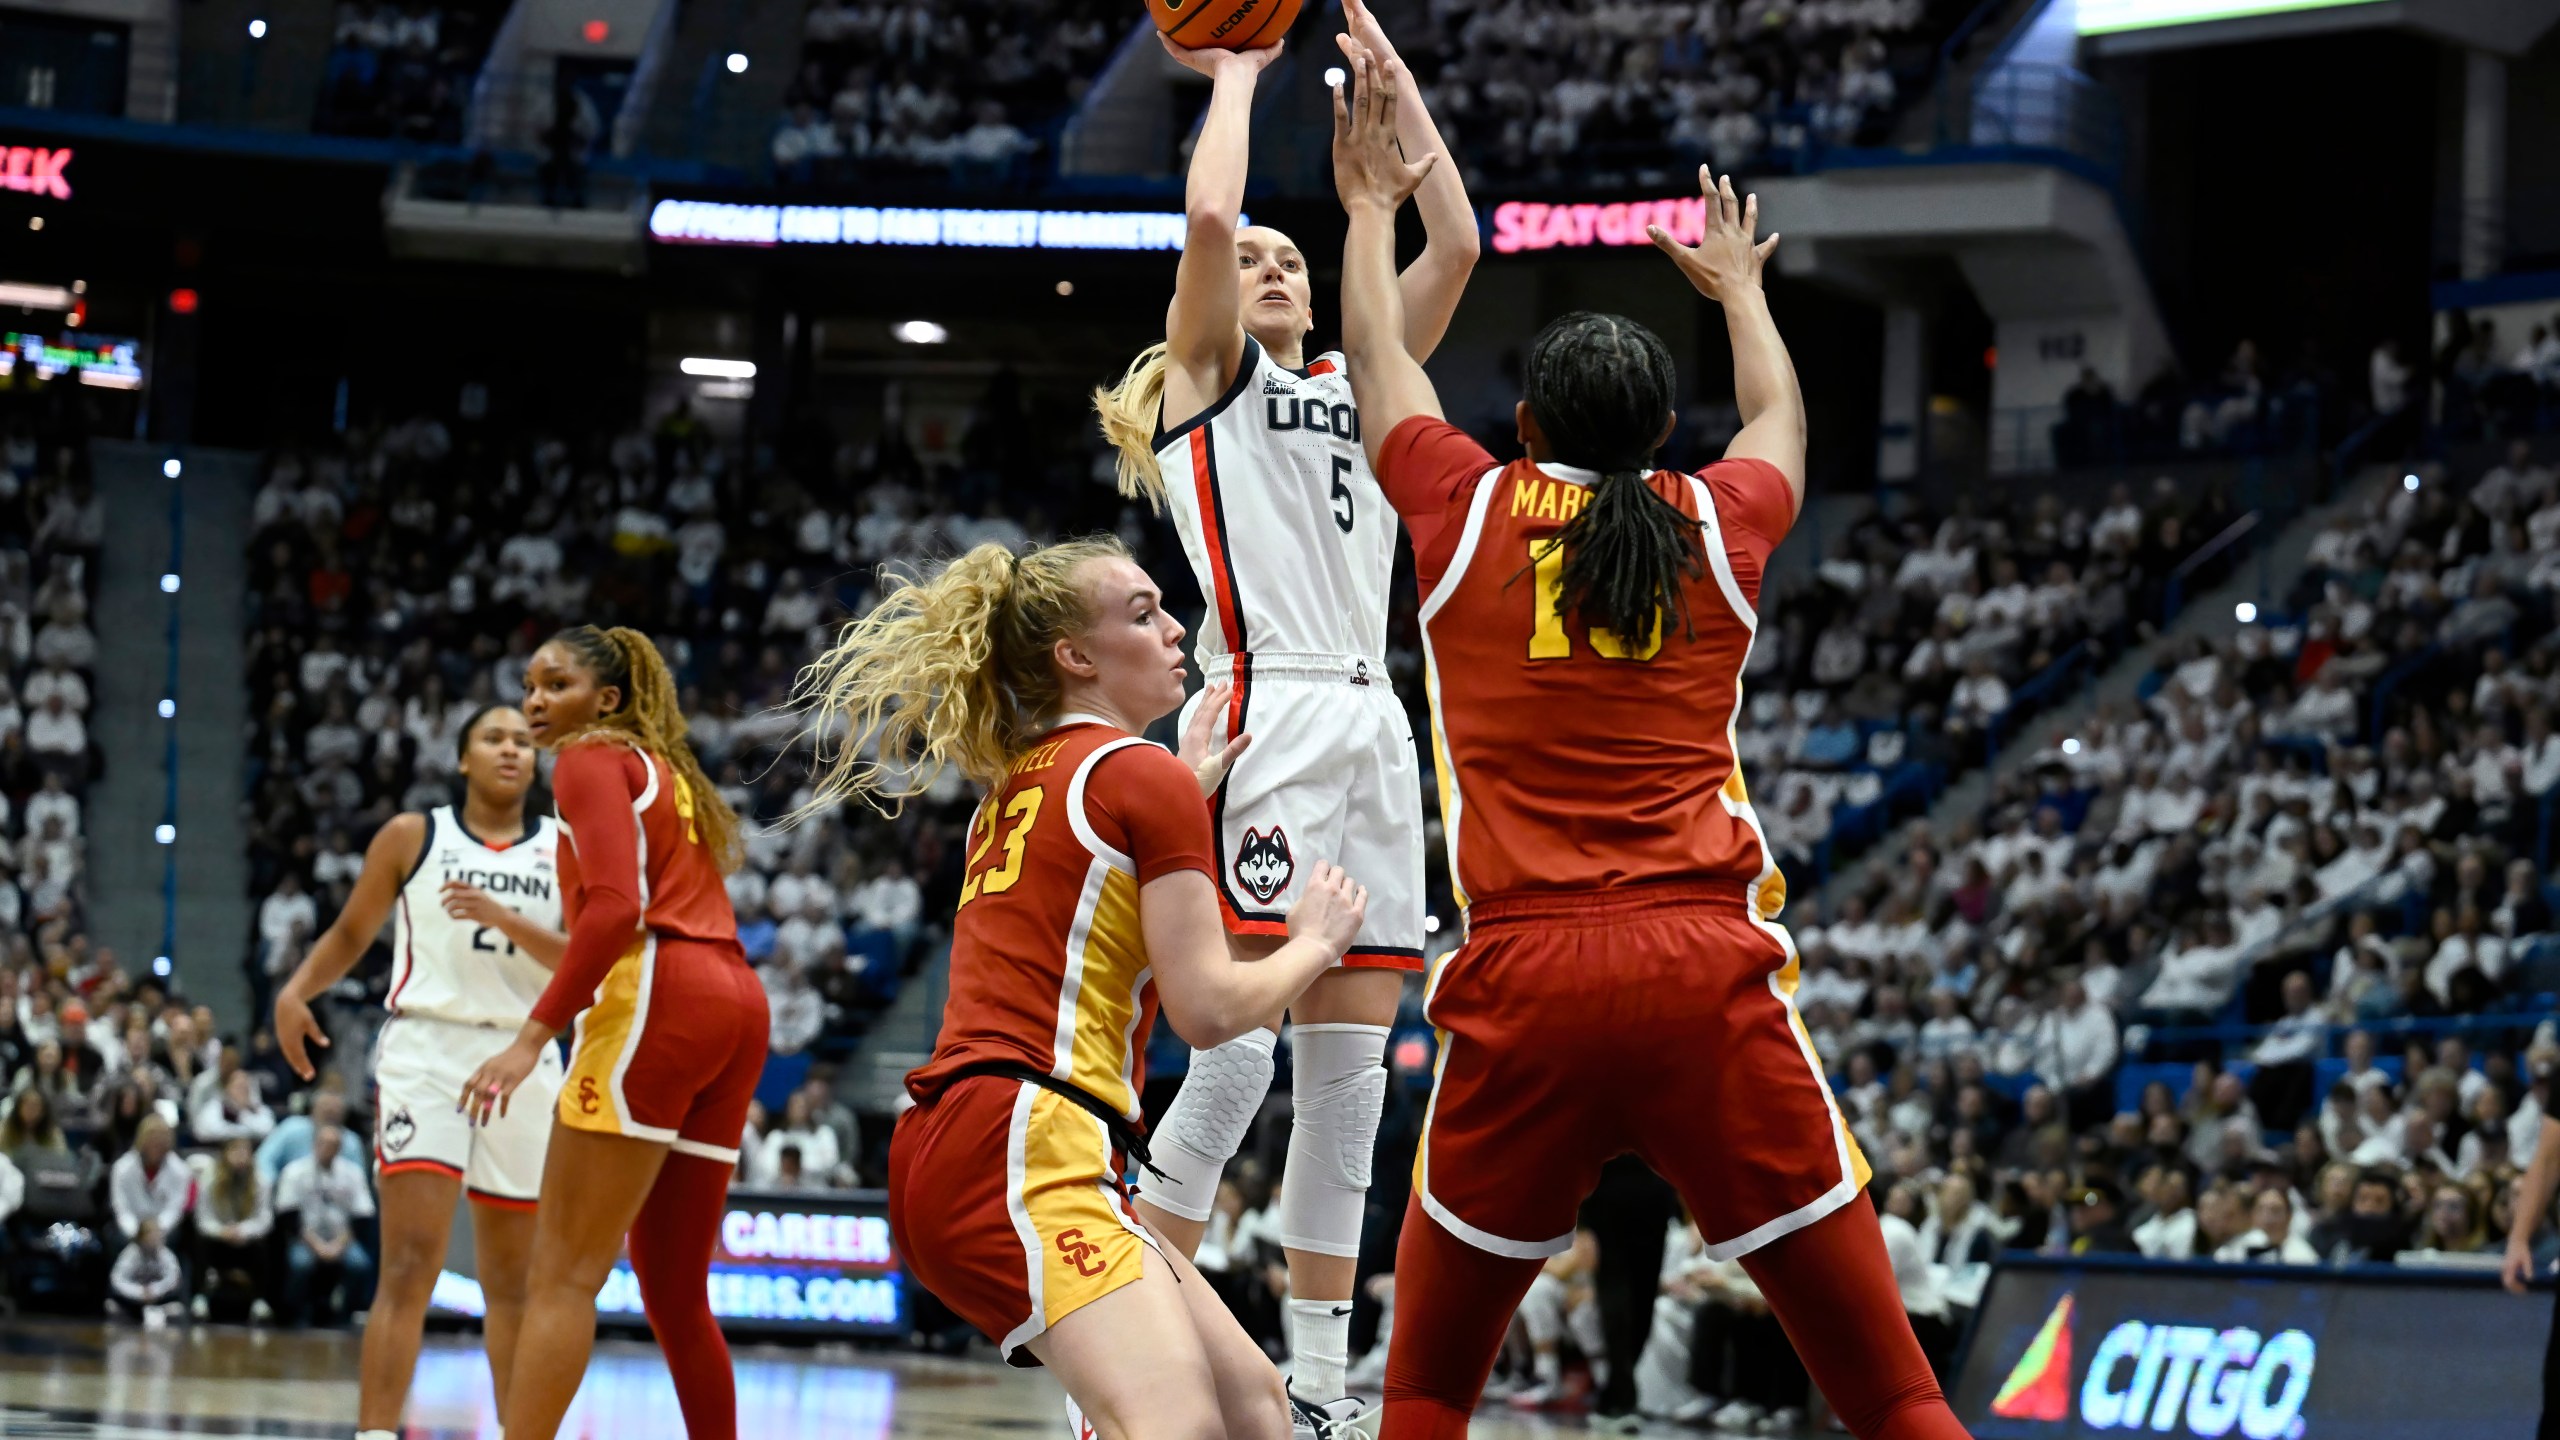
(485, 1094)
(1727, 260)
(297, 1029)
(1368, 164)
(1212, 63)
(2518, 1271)
(1205, 747)
(1331, 908)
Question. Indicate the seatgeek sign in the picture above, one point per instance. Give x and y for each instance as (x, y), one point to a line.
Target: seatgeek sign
(2063, 1350)
(36, 170)
(711, 222)
(1519, 225)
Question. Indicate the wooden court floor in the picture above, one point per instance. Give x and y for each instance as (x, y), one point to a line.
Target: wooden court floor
(77, 1381)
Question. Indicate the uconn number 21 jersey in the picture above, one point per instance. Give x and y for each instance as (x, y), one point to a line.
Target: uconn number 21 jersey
(1291, 539)
(448, 969)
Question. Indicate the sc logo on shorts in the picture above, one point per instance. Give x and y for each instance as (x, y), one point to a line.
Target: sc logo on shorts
(1072, 1244)
(588, 1103)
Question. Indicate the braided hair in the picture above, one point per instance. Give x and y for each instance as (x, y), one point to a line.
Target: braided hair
(1600, 387)
(651, 718)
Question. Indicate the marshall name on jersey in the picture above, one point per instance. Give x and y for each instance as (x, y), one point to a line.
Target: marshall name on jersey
(1284, 525)
(457, 971)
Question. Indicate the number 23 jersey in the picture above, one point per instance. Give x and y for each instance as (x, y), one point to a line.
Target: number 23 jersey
(1049, 963)
(459, 970)
(1285, 528)
(1569, 759)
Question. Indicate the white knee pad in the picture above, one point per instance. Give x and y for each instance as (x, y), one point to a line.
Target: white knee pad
(1219, 1099)
(1339, 1089)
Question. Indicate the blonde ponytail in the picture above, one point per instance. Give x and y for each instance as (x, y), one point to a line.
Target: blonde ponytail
(948, 671)
(1129, 412)
(652, 718)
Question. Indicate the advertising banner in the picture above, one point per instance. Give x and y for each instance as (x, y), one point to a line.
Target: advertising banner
(2069, 1349)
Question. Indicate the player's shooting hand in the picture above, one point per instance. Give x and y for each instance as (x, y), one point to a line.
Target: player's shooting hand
(296, 1029)
(1726, 262)
(485, 1094)
(1215, 63)
(1205, 747)
(1365, 33)
(470, 904)
(1368, 165)
(1331, 909)
(2519, 1270)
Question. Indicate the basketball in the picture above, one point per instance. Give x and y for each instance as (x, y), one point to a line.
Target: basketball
(1224, 24)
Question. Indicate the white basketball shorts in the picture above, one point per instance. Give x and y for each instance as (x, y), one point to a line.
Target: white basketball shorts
(1332, 775)
(419, 1068)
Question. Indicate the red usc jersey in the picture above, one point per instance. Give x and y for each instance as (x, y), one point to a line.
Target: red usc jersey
(1568, 760)
(633, 848)
(1048, 963)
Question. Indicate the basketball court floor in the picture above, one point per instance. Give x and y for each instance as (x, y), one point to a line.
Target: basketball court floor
(74, 1381)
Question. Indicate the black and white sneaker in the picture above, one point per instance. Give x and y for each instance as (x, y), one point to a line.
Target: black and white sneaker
(1349, 1418)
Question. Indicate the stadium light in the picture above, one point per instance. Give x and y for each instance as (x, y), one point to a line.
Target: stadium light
(2409, 483)
(171, 469)
(1333, 78)
(919, 332)
(169, 582)
(166, 834)
(1066, 287)
(717, 369)
(1430, 923)
(159, 964)
(257, 31)
(35, 222)
(2245, 613)
(168, 708)
(737, 63)
(2071, 745)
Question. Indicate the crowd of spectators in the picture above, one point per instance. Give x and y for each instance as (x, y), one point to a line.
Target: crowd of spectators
(400, 579)
(401, 70)
(2497, 383)
(1597, 90)
(2248, 406)
(901, 90)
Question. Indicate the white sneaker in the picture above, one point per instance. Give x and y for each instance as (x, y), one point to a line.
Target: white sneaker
(1078, 1427)
(260, 1312)
(154, 1318)
(1785, 1420)
(1739, 1416)
(201, 1307)
(1693, 1411)
(1533, 1397)
(1349, 1418)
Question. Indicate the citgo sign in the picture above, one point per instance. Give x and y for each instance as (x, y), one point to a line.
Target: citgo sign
(2170, 1379)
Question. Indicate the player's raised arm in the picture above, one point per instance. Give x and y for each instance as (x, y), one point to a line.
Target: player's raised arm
(1432, 284)
(1725, 266)
(1204, 330)
(1374, 180)
(387, 861)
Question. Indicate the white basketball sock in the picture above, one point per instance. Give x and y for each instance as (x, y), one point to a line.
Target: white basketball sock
(1319, 1348)
(377, 1435)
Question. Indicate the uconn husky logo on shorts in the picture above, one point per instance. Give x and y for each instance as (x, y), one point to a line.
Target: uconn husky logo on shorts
(1263, 865)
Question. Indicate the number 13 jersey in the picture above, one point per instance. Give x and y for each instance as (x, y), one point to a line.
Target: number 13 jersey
(1286, 530)
(1569, 759)
(456, 970)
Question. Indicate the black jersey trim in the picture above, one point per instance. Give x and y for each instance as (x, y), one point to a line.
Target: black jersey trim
(1245, 366)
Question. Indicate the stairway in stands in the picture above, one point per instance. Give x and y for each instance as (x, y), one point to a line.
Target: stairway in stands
(138, 625)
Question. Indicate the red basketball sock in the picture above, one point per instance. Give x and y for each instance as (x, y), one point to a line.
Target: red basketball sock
(1453, 1303)
(671, 1246)
(1832, 1288)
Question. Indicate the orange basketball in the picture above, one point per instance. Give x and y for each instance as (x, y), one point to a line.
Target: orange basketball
(1224, 24)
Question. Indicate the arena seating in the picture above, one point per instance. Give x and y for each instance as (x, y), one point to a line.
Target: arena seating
(972, 93)
(403, 71)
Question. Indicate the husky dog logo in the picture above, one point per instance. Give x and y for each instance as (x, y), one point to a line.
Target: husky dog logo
(398, 1131)
(1263, 865)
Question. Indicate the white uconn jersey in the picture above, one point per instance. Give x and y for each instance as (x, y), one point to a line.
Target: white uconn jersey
(448, 969)
(1291, 539)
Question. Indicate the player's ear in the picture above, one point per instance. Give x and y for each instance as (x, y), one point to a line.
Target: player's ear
(1531, 439)
(1071, 659)
(1670, 422)
(608, 699)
